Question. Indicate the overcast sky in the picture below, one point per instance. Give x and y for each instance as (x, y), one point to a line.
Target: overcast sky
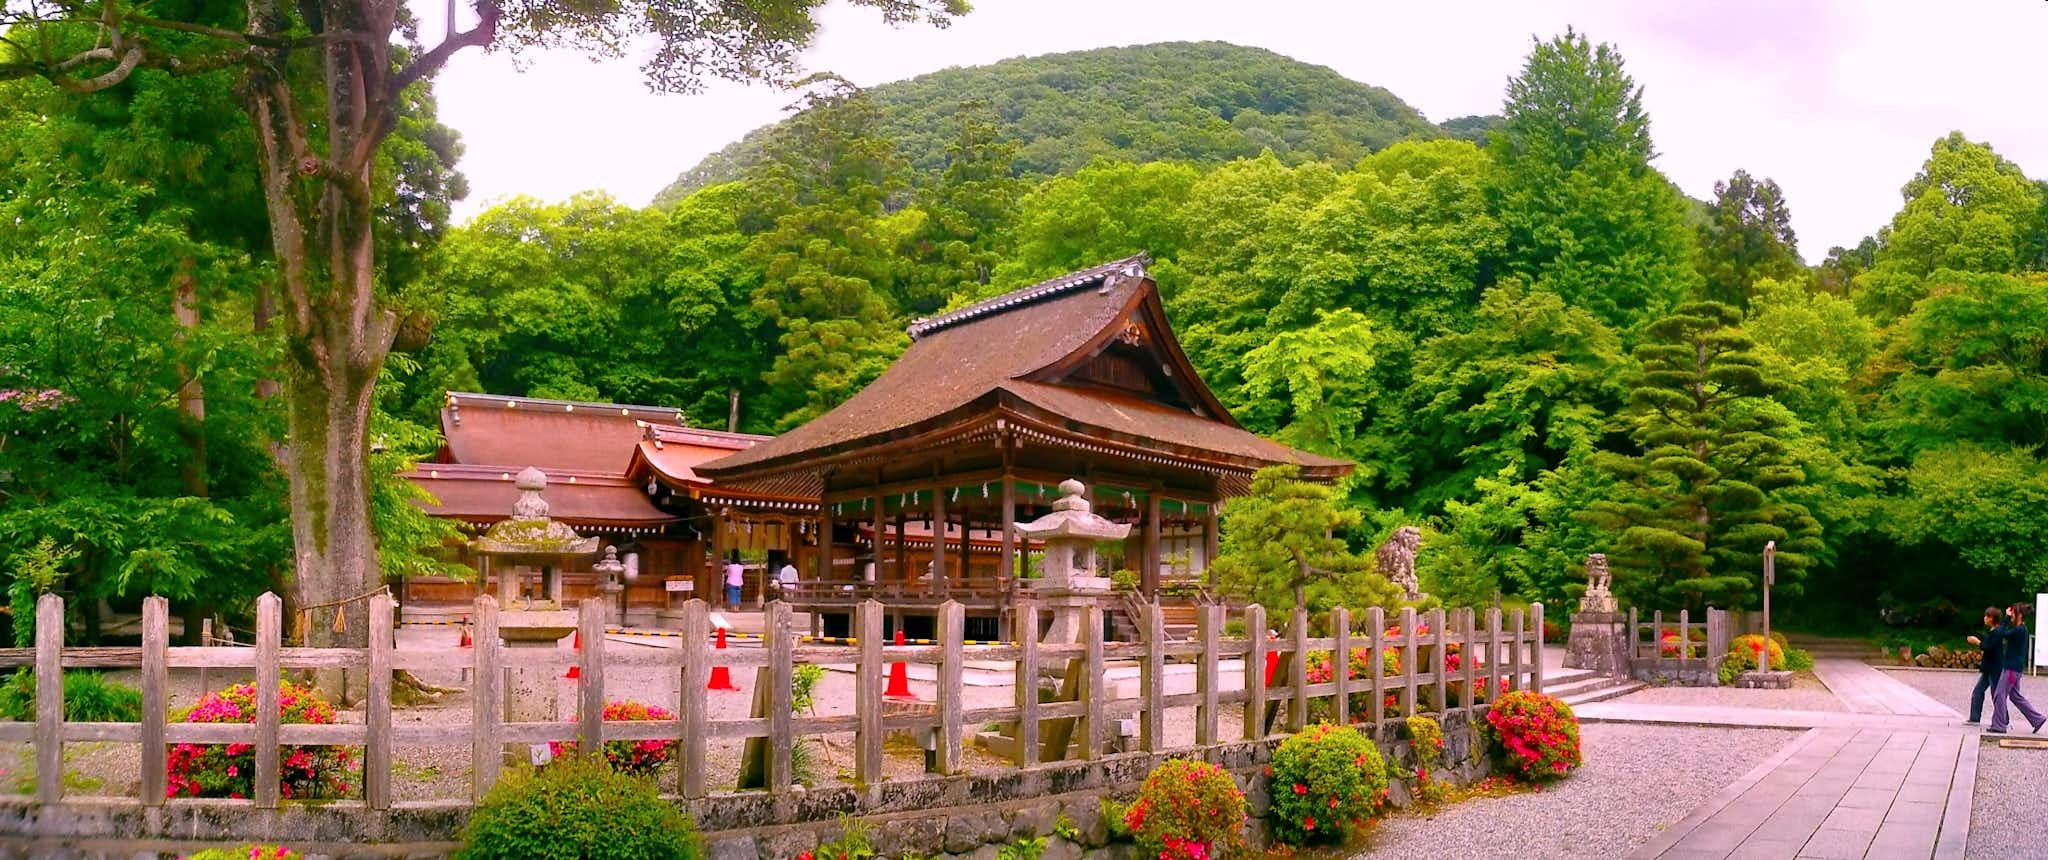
(1837, 101)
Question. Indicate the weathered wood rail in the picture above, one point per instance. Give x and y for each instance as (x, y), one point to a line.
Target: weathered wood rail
(1497, 649)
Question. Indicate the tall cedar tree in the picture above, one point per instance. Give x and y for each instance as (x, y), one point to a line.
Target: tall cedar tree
(1586, 215)
(1701, 494)
(1283, 544)
(316, 159)
(1746, 237)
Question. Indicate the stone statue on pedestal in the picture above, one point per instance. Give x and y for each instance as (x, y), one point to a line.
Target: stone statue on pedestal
(1599, 595)
(1395, 560)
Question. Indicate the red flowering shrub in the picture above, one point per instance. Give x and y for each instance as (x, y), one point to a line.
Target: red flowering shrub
(1323, 780)
(1695, 644)
(635, 757)
(1538, 735)
(229, 770)
(1187, 810)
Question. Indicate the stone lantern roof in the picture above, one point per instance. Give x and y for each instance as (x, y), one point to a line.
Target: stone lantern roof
(530, 532)
(1072, 519)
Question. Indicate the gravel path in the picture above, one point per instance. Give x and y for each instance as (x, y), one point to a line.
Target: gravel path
(1637, 780)
(2009, 807)
(1807, 694)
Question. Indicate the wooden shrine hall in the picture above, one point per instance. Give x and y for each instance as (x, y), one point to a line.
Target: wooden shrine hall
(975, 426)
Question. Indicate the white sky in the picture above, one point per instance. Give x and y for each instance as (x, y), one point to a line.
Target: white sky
(1838, 101)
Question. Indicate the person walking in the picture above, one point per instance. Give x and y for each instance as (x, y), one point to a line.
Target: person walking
(1990, 665)
(735, 576)
(2012, 645)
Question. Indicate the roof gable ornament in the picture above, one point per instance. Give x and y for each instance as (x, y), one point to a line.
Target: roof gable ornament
(1103, 277)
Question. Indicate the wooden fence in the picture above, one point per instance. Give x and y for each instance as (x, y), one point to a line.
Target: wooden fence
(1696, 642)
(1493, 655)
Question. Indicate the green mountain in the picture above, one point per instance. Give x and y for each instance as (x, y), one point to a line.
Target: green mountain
(1193, 101)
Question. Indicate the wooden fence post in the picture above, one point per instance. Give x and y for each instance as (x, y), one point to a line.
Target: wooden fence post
(1515, 653)
(156, 640)
(1492, 654)
(1208, 671)
(590, 680)
(1026, 621)
(1536, 667)
(269, 639)
(1657, 634)
(867, 694)
(1468, 657)
(1094, 691)
(49, 699)
(1440, 635)
(1152, 722)
(1340, 662)
(690, 709)
(1410, 666)
(952, 642)
(377, 707)
(781, 691)
(1297, 713)
(1376, 649)
(1254, 672)
(487, 701)
(1635, 636)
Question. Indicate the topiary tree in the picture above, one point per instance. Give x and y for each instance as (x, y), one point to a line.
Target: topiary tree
(1323, 780)
(577, 810)
(1283, 538)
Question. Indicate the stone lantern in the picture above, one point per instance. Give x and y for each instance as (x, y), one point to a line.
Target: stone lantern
(512, 548)
(1068, 584)
(610, 584)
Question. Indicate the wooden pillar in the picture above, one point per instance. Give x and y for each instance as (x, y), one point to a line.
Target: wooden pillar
(875, 523)
(966, 545)
(1148, 578)
(1006, 568)
(718, 551)
(939, 567)
(1212, 537)
(824, 541)
(902, 551)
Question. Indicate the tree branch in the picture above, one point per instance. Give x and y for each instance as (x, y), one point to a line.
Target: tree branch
(486, 29)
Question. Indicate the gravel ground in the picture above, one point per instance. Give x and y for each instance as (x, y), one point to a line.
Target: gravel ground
(1807, 694)
(1637, 780)
(2009, 808)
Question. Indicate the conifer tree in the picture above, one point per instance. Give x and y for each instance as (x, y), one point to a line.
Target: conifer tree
(1746, 238)
(1283, 544)
(1701, 493)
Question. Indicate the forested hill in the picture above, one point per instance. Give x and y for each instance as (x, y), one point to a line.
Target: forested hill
(1203, 102)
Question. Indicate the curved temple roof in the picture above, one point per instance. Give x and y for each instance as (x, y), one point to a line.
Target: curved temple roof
(1013, 355)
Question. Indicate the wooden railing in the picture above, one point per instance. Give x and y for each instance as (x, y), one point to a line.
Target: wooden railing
(1696, 641)
(1493, 654)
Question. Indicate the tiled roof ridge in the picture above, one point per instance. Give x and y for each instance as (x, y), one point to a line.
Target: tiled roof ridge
(456, 398)
(1132, 266)
(674, 431)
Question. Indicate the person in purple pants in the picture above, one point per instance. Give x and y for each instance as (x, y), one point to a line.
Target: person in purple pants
(2012, 641)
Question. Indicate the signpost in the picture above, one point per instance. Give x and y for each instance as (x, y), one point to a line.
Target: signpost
(1763, 655)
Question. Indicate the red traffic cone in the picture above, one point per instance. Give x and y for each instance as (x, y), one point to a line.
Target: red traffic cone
(899, 677)
(1272, 662)
(721, 677)
(466, 641)
(575, 645)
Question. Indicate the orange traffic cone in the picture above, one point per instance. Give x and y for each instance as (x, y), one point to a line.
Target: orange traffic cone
(575, 645)
(721, 677)
(466, 641)
(899, 677)
(1272, 662)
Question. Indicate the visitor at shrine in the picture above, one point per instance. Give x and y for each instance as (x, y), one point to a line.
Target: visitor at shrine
(2013, 658)
(785, 579)
(735, 576)
(1988, 667)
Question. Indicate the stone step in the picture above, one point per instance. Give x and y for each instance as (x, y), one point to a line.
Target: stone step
(1583, 685)
(1618, 689)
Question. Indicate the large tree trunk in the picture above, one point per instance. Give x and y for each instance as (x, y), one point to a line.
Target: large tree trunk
(192, 415)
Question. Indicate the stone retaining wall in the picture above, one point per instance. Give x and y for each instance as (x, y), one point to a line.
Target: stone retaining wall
(968, 816)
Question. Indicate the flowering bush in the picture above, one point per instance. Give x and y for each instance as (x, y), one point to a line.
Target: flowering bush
(1322, 780)
(577, 811)
(1743, 652)
(246, 852)
(1426, 740)
(1695, 643)
(229, 770)
(1538, 735)
(1187, 810)
(635, 757)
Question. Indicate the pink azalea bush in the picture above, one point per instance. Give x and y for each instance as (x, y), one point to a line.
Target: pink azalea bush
(1537, 735)
(1322, 780)
(229, 770)
(635, 757)
(1187, 810)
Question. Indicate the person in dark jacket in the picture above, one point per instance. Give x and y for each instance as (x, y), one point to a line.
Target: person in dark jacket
(2012, 646)
(1988, 667)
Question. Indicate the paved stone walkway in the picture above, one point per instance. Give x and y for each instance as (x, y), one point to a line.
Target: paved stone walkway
(1869, 691)
(1622, 711)
(1839, 793)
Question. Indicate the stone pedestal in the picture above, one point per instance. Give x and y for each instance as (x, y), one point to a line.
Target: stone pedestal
(533, 695)
(1764, 680)
(1599, 642)
(614, 595)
